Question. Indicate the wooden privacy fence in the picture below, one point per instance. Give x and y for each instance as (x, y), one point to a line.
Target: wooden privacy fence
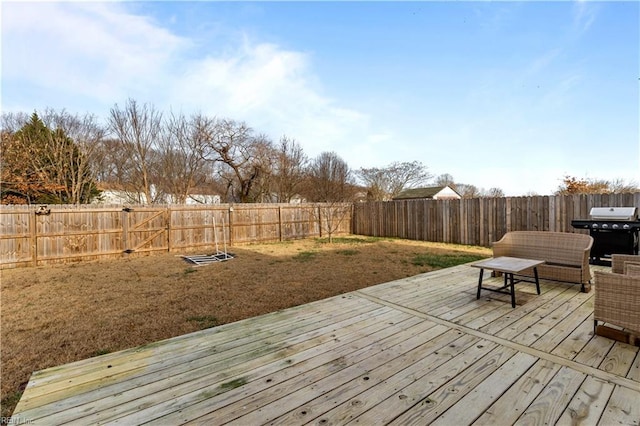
(30, 236)
(68, 233)
(479, 221)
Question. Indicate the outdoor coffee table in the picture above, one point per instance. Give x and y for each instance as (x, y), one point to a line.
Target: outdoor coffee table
(508, 266)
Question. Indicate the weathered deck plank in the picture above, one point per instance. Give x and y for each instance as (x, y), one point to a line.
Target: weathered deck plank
(438, 367)
(270, 403)
(588, 404)
(438, 402)
(167, 395)
(421, 350)
(207, 348)
(510, 406)
(480, 398)
(549, 405)
(622, 408)
(237, 399)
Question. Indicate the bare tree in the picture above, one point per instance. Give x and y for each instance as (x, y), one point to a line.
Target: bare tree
(329, 179)
(387, 182)
(11, 122)
(265, 158)
(112, 164)
(182, 165)
(494, 192)
(445, 179)
(620, 185)
(331, 216)
(76, 161)
(573, 185)
(466, 190)
(240, 158)
(330, 185)
(289, 169)
(138, 130)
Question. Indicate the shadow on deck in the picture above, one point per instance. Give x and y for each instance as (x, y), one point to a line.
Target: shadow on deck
(421, 350)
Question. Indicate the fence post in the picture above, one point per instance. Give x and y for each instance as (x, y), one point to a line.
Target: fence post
(230, 221)
(280, 223)
(479, 237)
(34, 237)
(320, 222)
(444, 211)
(353, 221)
(125, 230)
(169, 229)
(551, 202)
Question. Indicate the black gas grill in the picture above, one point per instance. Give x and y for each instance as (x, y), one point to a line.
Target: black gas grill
(614, 231)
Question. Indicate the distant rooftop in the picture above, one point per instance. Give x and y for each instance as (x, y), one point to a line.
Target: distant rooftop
(427, 192)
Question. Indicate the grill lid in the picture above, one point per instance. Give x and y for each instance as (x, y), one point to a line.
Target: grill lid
(613, 213)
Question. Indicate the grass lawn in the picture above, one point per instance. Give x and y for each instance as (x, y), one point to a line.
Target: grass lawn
(57, 314)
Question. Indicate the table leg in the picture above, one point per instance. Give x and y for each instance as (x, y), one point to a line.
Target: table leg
(479, 283)
(535, 273)
(513, 290)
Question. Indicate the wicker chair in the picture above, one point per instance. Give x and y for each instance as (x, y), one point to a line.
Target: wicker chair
(618, 261)
(617, 302)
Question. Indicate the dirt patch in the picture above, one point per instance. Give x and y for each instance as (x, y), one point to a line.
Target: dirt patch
(53, 315)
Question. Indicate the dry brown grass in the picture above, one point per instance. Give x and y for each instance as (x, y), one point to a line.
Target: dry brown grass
(57, 314)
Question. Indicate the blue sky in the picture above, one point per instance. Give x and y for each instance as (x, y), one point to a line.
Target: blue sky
(512, 95)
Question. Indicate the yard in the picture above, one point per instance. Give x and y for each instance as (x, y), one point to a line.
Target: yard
(53, 315)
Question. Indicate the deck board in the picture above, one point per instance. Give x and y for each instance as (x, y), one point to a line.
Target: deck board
(512, 403)
(549, 405)
(588, 404)
(622, 408)
(420, 350)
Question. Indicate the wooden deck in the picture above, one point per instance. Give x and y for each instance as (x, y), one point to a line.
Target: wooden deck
(421, 350)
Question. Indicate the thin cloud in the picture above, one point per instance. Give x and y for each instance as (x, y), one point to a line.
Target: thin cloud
(274, 90)
(562, 92)
(84, 49)
(584, 15)
(103, 53)
(494, 16)
(543, 62)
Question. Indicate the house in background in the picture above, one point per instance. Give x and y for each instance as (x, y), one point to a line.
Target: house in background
(429, 193)
(203, 197)
(115, 194)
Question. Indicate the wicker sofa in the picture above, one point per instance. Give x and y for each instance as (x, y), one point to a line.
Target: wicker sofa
(566, 255)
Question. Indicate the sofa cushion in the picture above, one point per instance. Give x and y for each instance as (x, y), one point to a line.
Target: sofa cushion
(632, 269)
